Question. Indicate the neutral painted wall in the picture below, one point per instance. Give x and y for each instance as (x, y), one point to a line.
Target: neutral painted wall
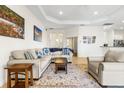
(8, 44)
(85, 50)
(71, 32)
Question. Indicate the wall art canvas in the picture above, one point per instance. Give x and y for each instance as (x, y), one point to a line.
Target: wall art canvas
(11, 24)
(89, 39)
(37, 34)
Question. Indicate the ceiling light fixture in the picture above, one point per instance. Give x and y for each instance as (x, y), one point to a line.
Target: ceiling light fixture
(122, 21)
(60, 12)
(96, 13)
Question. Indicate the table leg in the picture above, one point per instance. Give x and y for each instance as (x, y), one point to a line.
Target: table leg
(56, 68)
(66, 68)
(16, 78)
(31, 77)
(26, 78)
(9, 79)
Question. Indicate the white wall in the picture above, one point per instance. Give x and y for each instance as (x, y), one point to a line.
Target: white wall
(85, 50)
(8, 44)
(71, 32)
(109, 35)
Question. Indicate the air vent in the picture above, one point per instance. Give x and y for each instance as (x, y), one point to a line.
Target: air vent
(82, 24)
(108, 24)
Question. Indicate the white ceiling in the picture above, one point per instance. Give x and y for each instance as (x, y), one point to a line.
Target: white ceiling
(74, 15)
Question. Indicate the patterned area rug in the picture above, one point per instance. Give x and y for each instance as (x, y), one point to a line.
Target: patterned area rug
(77, 77)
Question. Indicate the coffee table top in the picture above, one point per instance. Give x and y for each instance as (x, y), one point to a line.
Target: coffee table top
(19, 66)
(60, 60)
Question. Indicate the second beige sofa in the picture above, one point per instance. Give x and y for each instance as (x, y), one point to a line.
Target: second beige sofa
(109, 69)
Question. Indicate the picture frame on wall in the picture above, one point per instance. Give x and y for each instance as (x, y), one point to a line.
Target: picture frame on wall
(37, 34)
(11, 24)
(89, 39)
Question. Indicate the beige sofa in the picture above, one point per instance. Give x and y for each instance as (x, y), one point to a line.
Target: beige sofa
(109, 69)
(40, 64)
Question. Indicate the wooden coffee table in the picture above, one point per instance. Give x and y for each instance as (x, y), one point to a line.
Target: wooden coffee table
(60, 64)
(18, 69)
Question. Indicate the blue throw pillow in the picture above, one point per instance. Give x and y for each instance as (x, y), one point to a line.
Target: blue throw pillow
(65, 51)
(39, 54)
(46, 51)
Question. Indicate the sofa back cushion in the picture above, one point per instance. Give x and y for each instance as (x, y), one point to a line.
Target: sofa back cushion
(114, 56)
(18, 54)
(110, 56)
(56, 53)
(120, 56)
(96, 59)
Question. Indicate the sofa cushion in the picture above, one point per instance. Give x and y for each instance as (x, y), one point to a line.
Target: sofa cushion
(47, 58)
(100, 58)
(111, 56)
(56, 53)
(44, 61)
(19, 54)
(120, 56)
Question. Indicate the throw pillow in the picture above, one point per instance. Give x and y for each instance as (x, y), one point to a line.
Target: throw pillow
(39, 54)
(19, 54)
(46, 51)
(65, 51)
(33, 53)
(28, 55)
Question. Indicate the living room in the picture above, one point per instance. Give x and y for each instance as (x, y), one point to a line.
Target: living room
(76, 39)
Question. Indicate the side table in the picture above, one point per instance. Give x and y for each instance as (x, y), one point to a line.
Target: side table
(18, 69)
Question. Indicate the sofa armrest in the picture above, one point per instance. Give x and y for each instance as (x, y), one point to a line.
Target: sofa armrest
(112, 66)
(100, 58)
(71, 54)
(34, 61)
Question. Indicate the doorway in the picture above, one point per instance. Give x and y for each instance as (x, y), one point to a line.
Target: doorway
(72, 43)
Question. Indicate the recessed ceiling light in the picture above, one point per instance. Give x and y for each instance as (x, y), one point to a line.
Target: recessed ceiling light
(122, 21)
(60, 12)
(96, 13)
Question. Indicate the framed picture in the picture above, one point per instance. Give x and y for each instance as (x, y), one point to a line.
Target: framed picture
(37, 34)
(89, 39)
(11, 24)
